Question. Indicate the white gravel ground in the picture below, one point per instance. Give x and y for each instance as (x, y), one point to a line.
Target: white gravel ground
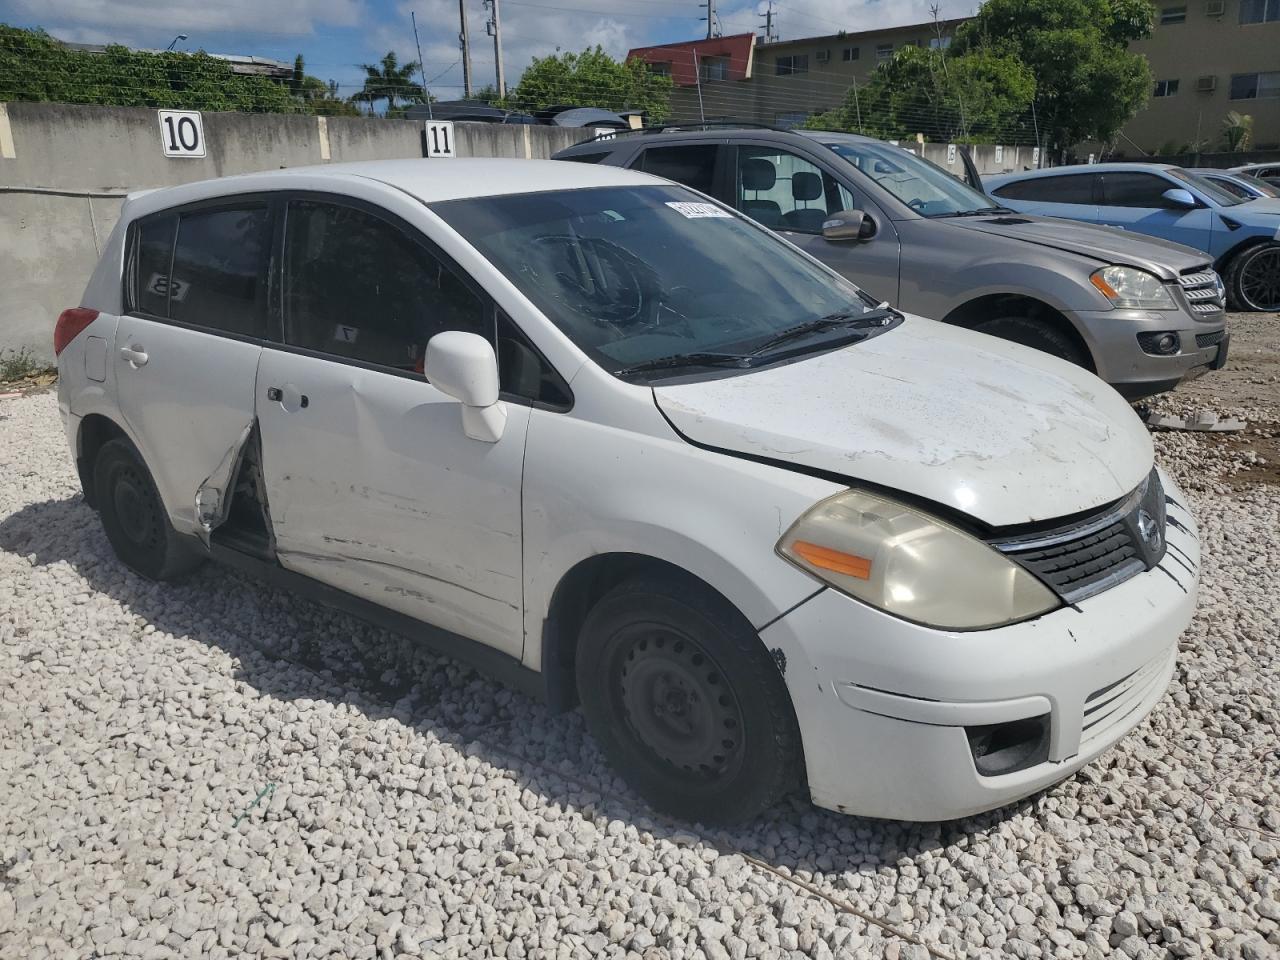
(217, 769)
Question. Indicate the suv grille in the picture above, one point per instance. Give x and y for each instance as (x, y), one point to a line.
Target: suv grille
(1204, 292)
(1100, 551)
(1209, 339)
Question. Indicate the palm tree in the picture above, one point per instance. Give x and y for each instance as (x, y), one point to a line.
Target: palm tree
(391, 82)
(1237, 129)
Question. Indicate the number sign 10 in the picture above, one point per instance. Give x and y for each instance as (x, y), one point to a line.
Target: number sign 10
(440, 138)
(181, 133)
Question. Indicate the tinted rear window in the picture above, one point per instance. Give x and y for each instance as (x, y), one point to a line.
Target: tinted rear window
(220, 270)
(694, 165)
(151, 277)
(586, 157)
(1072, 188)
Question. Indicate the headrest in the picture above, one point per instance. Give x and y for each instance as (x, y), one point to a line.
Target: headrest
(806, 186)
(758, 174)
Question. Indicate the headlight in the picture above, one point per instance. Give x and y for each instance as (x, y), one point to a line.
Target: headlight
(912, 565)
(1131, 287)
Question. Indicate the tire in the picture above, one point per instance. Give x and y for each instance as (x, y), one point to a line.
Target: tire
(1253, 278)
(134, 517)
(686, 703)
(1038, 335)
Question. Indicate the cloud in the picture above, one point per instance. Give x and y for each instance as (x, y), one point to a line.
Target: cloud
(794, 19)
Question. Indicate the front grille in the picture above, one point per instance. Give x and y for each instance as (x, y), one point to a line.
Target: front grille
(1114, 705)
(1209, 339)
(1204, 291)
(1099, 551)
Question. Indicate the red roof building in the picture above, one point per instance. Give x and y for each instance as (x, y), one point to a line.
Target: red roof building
(720, 58)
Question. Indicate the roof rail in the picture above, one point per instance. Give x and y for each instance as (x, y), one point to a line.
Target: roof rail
(681, 127)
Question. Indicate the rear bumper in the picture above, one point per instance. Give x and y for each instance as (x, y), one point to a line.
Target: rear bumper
(887, 709)
(1112, 338)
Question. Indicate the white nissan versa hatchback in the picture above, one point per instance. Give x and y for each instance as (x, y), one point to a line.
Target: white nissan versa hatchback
(621, 446)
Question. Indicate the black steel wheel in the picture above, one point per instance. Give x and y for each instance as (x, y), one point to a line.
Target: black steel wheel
(1253, 279)
(134, 517)
(685, 701)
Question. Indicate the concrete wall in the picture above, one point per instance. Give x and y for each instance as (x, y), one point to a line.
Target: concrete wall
(64, 171)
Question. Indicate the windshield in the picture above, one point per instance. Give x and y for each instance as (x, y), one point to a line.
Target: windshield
(922, 186)
(1217, 194)
(658, 276)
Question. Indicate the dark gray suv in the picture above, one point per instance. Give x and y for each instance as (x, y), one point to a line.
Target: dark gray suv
(1144, 314)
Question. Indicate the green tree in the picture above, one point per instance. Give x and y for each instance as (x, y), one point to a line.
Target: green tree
(1237, 130)
(1088, 83)
(391, 81)
(592, 79)
(980, 97)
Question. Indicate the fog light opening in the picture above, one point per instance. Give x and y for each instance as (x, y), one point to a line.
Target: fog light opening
(1161, 344)
(1001, 748)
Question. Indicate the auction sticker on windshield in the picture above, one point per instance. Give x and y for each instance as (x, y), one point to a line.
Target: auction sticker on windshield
(694, 211)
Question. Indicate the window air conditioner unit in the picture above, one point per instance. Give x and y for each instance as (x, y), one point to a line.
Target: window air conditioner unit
(822, 56)
(1206, 84)
(1215, 8)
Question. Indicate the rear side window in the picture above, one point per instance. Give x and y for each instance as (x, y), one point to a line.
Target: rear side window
(1074, 188)
(1134, 190)
(694, 165)
(219, 277)
(357, 286)
(153, 254)
(586, 157)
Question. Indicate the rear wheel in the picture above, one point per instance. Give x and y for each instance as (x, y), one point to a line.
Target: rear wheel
(685, 701)
(1039, 335)
(1253, 278)
(134, 517)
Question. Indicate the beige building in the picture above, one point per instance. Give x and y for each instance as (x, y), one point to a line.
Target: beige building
(1208, 57)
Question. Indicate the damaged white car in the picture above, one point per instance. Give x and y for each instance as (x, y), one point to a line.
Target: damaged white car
(622, 447)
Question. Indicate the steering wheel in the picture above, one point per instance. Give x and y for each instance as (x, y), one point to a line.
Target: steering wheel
(915, 203)
(598, 280)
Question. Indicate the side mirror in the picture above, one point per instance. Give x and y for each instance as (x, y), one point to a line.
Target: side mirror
(464, 366)
(848, 225)
(1177, 197)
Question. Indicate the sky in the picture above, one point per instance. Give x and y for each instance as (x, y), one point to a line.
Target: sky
(336, 36)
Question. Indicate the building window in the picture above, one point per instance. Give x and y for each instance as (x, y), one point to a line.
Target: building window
(789, 120)
(798, 63)
(659, 69)
(851, 53)
(1165, 88)
(884, 52)
(1259, 11)
(1170, 15)
(939, 43)
(1255, 86)
(714, 68)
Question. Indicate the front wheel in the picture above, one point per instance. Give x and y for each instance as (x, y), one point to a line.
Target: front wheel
(134, 517)
(1039, 335)
(685, 702)
(1253, 278)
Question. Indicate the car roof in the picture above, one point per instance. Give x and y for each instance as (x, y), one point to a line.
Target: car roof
(437, 180)
(1117, 167)
(718, 131)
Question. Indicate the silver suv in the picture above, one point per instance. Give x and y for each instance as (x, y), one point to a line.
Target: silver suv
(1143, 314)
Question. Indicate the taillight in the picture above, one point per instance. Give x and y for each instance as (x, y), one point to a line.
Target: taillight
(71, 324)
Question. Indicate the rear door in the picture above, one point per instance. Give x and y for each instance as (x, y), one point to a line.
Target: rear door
(793, 194)
(1135, 201)
(186, 350)
(695, 163)
(1071, 196)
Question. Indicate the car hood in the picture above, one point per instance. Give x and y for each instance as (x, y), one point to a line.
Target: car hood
(1106, 245)
(1260, 210)
(997, 431)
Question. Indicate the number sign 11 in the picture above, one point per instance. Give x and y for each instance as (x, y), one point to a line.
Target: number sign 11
(440, 138)
(181, 133)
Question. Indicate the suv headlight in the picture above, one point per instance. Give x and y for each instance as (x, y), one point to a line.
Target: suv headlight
(912, 565)
(1131, 287)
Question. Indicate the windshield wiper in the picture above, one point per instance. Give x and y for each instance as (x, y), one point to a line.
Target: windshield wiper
(688, 360)
(980, 212)
(878, 317)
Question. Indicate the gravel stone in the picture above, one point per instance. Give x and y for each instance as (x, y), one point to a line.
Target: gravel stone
(408, 806)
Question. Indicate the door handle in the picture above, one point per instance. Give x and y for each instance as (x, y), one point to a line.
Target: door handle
(276, 394)
(135, 355)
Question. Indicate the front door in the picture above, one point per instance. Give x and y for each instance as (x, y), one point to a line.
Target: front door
(187, 348)
(1135, 201)
(372, 485)
(793, 195)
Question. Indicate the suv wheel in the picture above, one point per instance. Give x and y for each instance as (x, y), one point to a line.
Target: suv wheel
(1036, 334)
(134, 517)
(1253, 278)
(685, 701)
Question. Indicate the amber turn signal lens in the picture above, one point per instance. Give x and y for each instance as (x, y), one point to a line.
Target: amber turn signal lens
(1107, 290)
(834, 560)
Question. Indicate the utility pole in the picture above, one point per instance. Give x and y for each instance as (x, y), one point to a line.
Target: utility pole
(494, 29)
(465, 40)
(712, 29)
(770, 35)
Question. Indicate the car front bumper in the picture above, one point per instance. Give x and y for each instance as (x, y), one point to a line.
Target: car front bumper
(883, 705)
(1112, 338)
